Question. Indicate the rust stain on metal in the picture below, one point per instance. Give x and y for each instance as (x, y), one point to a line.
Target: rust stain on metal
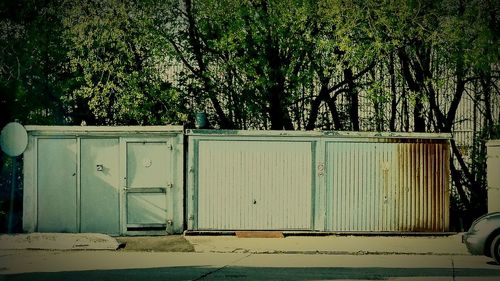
(423, 183)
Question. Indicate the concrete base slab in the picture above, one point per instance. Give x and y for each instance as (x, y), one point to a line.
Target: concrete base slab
(435, 245)
(58, 241)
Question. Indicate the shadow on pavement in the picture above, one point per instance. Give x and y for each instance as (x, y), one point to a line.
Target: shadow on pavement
(169, 243)
(255, 273)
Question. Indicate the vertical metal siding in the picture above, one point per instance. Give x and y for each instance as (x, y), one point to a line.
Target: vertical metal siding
(371, 183)
(245, 184)
(362, 187)
(374, 186)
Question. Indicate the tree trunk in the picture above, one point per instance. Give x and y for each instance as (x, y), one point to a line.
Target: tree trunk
(278, 113)
(418, 115)
(280, 118)
(405, 118)
(353, 99)
(378, 104)
(323, 95)
(457, 97)
(486, 87)
(412, 80)
(337, 123)
(208, 88)
(394, 103)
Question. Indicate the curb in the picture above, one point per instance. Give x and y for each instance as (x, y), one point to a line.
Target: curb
(58, 241)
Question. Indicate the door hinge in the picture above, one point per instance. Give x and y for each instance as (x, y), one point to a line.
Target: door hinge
(321, 168)
(170, 185)
(170, 147)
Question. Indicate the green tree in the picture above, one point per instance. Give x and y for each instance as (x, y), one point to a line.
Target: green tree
(446, 47)
(259, 60)
(116, 61)
(30, 60)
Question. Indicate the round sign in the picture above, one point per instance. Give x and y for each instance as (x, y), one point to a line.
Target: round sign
(14, 139)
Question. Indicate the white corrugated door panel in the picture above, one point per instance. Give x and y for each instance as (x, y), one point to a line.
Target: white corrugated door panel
(99, 186)
(250, 185)
(361, 186)
(56, 180)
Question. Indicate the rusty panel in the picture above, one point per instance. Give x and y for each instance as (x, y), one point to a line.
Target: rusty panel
(424, 175)
(423, 171)
(387, 186)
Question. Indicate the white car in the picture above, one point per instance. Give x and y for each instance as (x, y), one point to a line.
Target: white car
(483, 237)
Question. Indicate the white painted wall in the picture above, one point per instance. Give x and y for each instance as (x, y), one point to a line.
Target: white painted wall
(493, 163)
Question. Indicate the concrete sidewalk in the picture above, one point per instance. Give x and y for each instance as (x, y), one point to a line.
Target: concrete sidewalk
(333, 244)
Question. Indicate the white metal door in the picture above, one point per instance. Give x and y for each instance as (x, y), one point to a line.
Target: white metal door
(254, 185)
(148, 183)
(56, 185)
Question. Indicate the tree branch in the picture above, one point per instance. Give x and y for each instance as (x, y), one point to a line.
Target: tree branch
(183, 59)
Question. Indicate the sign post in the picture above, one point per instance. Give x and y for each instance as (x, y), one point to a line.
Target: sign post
(13, 140)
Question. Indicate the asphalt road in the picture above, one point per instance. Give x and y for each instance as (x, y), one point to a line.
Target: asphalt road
(118, 265)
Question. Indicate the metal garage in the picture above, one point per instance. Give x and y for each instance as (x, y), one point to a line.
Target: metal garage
(317, 181)
(114, 180)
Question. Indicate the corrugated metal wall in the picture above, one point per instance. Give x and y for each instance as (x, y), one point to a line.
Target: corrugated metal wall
(340, 182)
(387, 186)
(254, 185)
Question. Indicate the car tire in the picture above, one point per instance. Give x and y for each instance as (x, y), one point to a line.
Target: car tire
(495, 249)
